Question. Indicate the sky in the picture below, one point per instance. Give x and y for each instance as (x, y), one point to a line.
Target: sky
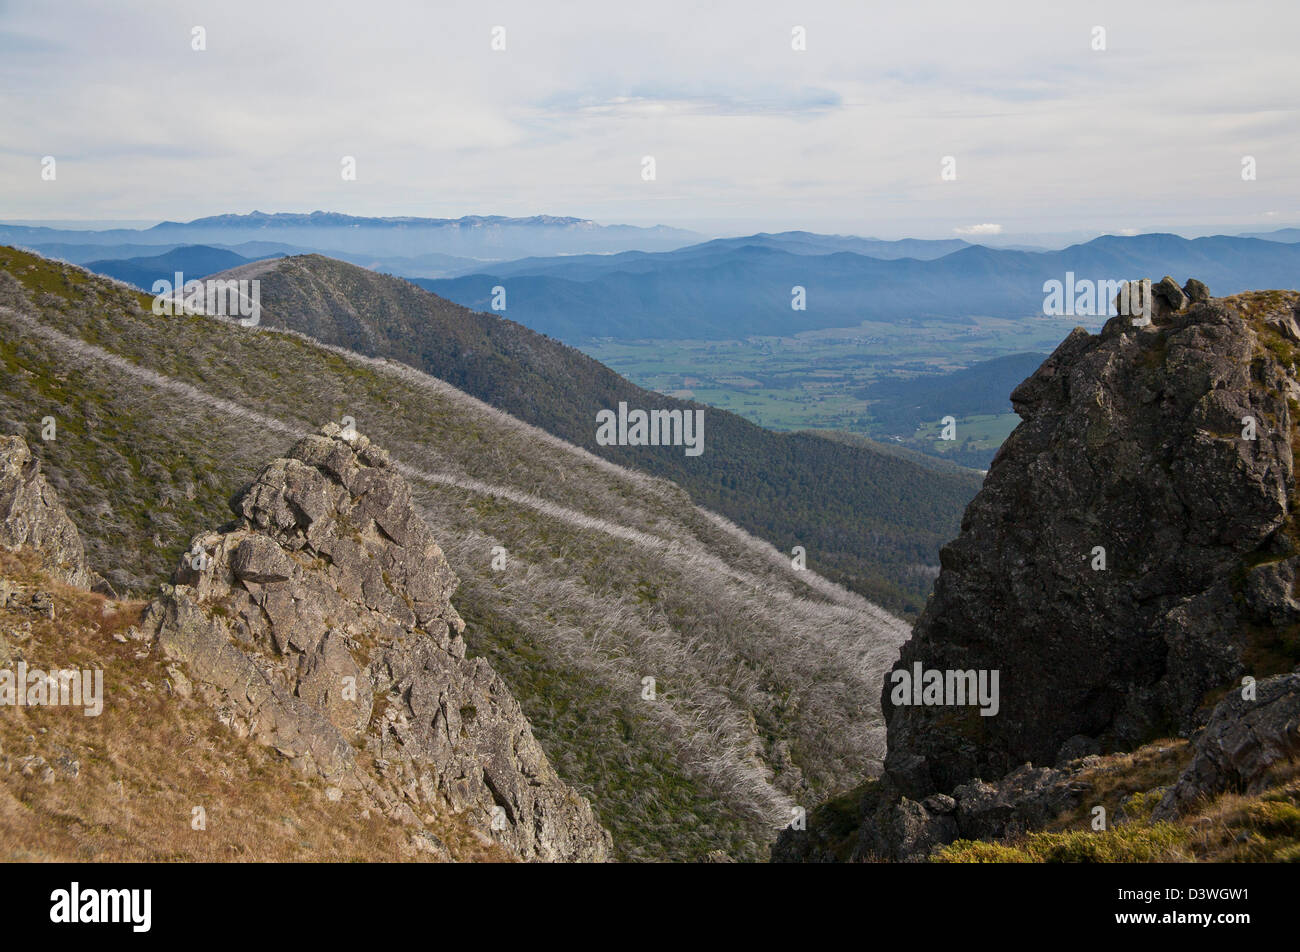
(1048, 134)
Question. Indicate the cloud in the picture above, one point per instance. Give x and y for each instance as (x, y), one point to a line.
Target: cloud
(978, 229)
(666, 102)
(844, 136)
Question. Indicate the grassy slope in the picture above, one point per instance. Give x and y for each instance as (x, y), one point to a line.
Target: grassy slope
(611, 576)
(122, 786)
(873, 522)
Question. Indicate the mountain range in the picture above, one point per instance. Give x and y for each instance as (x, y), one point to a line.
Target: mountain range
(740, 287)
(623, 282)
(472, 236)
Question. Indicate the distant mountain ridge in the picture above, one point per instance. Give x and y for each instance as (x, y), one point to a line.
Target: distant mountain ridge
(1281, 234)
(742, 287)
(193, 261)
(472, 236)
(295, 219)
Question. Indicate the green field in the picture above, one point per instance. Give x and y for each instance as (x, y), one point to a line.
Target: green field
(815, 379)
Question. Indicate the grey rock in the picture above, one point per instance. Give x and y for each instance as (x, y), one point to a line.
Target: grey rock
(1197, 292)
(31, 515)
(1168, 297)
(1026, 799)
(894, 828)
(1130, 440)
(1286, 324)
(322, 624)
(1242, 741)
(940, 804)
(901, 830)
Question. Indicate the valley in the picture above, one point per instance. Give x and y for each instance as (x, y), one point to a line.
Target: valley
(823, 380)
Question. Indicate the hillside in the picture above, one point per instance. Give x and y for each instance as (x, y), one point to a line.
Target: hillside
(901, 405)
(870, 521)
(765, 678)
(193, 261)
(1127, 574)
(112, 788)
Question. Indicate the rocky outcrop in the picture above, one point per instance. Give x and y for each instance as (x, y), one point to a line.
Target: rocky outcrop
(1249, 733)
(1133, 550)
(320, 623)
(31, 515)
(1129, 534)
(892, 827)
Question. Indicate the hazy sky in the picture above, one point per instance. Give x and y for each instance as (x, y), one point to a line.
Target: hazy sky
(1048, 134)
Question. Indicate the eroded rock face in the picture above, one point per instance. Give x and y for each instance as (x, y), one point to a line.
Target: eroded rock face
(1133, 442)
(31, 515)
(1245, 737)
(320, 623)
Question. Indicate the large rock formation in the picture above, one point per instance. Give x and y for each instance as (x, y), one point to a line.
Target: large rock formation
(1130, 535)
(1133, 551)
(320, 623)
(31, 515)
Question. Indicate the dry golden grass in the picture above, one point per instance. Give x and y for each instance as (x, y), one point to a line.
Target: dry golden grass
(1234, 828)
(152, 756)
(1122, 782)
